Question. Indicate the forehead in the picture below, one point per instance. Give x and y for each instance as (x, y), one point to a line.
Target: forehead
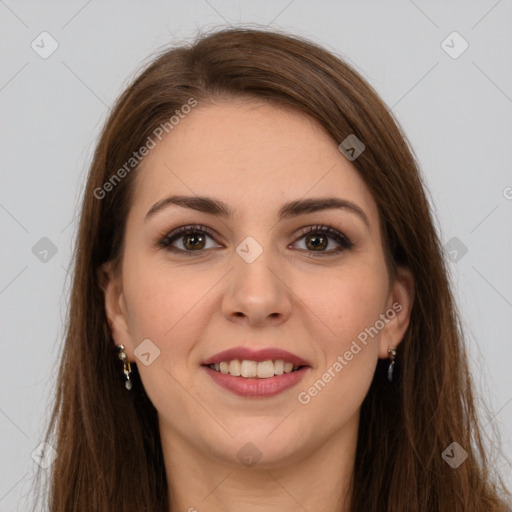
(251, 155)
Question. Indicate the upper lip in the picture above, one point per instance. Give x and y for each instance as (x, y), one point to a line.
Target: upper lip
(257, 355)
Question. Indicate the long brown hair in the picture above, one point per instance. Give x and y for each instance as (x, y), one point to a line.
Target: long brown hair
(107, 439)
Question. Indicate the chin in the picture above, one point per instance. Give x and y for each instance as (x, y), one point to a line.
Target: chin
(265, 447)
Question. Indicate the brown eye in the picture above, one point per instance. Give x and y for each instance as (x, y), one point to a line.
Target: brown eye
(317, 240)
(194, 241)
(191, 239)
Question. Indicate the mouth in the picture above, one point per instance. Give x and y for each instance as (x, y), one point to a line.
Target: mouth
(262, 373)
(248, 369)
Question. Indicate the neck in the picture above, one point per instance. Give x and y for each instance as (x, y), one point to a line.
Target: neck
(318, 478)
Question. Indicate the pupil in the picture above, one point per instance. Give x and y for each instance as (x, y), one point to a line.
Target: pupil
(195, 240)
(314, 240)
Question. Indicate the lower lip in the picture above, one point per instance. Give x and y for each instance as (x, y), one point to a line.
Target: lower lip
(260, 388)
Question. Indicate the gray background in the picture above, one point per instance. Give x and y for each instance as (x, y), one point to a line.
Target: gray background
(455, 111)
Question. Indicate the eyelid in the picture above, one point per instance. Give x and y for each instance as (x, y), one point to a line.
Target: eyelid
(343, 240)
(322, 228)
(165, 239)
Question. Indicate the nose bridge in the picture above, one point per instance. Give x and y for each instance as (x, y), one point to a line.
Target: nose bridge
(257, 286)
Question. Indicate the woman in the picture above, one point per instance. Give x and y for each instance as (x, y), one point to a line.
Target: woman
(260, 315)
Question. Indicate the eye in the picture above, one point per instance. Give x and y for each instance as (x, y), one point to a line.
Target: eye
(192, 239)
(317, 239)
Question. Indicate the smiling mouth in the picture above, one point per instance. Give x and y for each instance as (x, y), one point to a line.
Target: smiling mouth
(253, 369)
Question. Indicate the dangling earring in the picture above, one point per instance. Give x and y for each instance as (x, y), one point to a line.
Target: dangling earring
(127, 369)
(392, 356)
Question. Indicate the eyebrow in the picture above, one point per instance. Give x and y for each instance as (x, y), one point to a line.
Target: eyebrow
(293, 208)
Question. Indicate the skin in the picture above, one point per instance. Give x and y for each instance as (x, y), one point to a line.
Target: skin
(254, 157)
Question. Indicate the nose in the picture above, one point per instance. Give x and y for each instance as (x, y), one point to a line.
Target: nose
(257, 292)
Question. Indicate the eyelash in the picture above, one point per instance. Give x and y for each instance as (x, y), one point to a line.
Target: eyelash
(166, 240)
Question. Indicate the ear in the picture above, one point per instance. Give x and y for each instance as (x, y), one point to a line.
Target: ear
(398, 312)
(110, 282)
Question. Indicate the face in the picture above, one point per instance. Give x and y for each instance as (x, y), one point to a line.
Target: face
(312, 282)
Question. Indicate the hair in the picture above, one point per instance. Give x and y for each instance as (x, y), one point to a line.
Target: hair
(107, 439)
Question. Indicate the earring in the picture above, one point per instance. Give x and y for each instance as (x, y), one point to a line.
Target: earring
(392, 356)
(127, 369)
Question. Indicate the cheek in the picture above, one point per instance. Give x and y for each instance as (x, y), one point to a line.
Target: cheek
(171, 306)
(350, 347)
(160, 298)
(163, 304)
(333, 394)
(354, 302)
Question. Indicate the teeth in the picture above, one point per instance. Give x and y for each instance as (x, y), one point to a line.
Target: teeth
(265, 369)
(235, 367)
(249, 368)
(253, 369)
